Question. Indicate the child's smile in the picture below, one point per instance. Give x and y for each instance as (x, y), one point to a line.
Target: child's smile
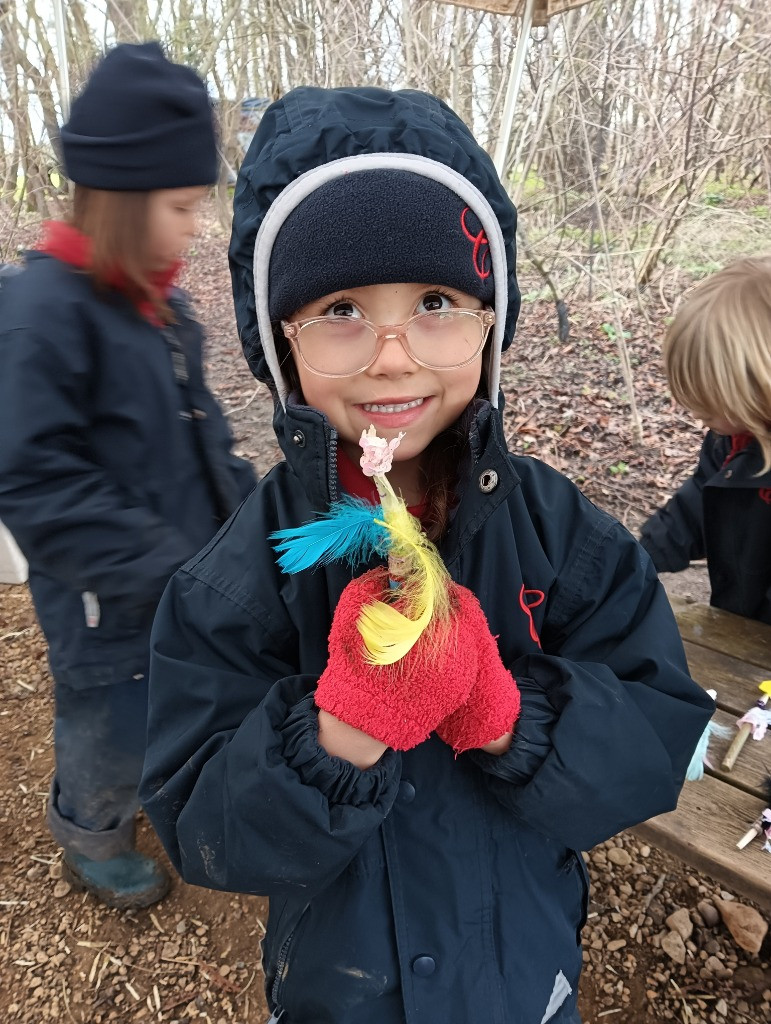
(395, 412)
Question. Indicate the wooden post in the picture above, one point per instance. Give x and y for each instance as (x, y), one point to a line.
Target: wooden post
(512, 90)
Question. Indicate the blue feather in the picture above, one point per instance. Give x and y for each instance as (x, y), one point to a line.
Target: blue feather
(348, 531)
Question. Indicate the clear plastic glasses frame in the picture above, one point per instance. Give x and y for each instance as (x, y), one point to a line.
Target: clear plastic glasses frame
(438, 322)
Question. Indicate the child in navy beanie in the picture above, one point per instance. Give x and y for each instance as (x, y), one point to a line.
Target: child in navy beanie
(115, 459)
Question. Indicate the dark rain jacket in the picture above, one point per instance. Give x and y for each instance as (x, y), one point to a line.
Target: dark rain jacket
(428, 888)
(101, 480)
(722, 513)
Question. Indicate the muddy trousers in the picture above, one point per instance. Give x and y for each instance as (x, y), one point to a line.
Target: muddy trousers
(100, 735)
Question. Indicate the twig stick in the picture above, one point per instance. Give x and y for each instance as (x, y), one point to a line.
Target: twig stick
(67, 1001)
(736, 746)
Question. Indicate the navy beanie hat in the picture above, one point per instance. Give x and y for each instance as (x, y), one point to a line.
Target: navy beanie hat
(141, 123)
(377, 227)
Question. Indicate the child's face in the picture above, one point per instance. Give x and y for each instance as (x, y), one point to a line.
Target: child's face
(172, 221)
(718, 423)
(394, 393)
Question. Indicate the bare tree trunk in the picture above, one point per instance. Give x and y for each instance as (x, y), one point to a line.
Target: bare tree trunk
(130, 20)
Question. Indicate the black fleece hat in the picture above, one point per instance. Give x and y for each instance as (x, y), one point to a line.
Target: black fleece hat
(377, 227)
(141, 123)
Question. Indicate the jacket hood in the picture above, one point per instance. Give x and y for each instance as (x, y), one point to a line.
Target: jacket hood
(312, 136)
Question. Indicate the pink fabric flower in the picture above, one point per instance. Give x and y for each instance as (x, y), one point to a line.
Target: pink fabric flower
(378, 453)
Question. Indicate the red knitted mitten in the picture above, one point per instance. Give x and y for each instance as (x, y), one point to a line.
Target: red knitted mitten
(493, 704)
(397, 704)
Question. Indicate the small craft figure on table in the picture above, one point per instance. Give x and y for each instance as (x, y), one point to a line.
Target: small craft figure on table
(752, 723)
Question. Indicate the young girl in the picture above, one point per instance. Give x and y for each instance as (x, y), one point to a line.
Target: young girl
(420, 849)
(115, 461)
(718, 362)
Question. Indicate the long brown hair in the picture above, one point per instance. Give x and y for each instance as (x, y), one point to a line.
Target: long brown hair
(117, 225)
(443, 458)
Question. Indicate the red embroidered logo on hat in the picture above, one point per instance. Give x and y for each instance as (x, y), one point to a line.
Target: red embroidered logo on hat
(481, 254)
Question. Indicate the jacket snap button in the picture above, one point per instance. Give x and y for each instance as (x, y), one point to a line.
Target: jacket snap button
(406, 792)
(299, 438)
(728, 474)
(488, 481)
(423, 966)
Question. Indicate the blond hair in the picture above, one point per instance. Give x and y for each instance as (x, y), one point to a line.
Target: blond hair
(717, 351)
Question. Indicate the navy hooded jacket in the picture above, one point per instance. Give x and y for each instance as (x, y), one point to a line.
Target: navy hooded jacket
(427, 888)
(721, 513)
(101, 481)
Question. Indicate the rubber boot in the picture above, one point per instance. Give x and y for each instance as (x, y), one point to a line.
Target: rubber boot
(128, 882)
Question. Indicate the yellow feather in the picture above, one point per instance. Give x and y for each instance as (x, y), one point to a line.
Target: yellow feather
(423, 592)
(388, 635)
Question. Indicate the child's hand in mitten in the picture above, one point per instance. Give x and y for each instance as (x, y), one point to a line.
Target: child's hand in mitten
(493, 704)
(399, 704)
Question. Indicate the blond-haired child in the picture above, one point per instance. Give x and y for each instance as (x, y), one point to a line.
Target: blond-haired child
(717, 354)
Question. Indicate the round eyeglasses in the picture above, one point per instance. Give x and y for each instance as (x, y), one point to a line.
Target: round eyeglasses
(342, 346)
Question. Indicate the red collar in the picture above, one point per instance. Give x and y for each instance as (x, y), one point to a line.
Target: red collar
(738, 443)
(353, 482)
(66, 243)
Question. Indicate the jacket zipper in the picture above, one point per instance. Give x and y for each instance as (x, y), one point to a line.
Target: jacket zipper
(281, 962)
(332, 470)
(283, 956)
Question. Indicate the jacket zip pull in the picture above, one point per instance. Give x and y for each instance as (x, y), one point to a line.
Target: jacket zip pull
(91, 608)
(277, 1014)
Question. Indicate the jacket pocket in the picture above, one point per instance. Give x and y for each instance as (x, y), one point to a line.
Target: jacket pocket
(94, 641)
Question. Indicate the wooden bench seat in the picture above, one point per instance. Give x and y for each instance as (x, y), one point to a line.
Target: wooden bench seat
(732, 655)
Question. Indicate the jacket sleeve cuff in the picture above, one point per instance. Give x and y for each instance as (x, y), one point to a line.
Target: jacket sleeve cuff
(339, 781)
(532, 738)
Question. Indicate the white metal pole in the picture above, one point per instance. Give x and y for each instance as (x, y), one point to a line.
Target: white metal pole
(61, 46)
(512, 91)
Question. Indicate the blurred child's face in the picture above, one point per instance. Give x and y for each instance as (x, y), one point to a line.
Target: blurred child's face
(394, 393)
(718, 423)
(172, 222)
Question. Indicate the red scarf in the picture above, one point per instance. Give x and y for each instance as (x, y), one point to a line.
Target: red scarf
(64, 242)
(738, 443)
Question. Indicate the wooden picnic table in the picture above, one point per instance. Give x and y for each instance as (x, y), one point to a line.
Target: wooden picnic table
(732, 655)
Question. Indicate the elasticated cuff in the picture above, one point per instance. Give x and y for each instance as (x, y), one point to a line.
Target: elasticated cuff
(337, 779)
(532, 738)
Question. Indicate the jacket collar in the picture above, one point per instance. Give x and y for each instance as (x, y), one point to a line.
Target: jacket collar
(486, 482)
(309, 443)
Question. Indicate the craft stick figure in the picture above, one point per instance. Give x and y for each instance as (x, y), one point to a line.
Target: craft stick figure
(746, 725)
